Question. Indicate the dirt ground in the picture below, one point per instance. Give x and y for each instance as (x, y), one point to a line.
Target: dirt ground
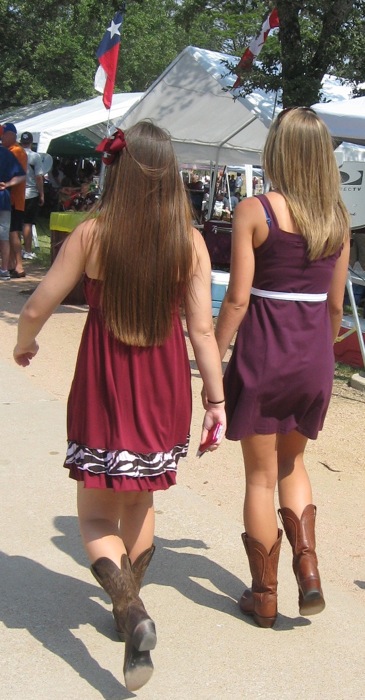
(335, 461)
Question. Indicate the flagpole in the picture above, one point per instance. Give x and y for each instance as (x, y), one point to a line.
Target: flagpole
(108, 130)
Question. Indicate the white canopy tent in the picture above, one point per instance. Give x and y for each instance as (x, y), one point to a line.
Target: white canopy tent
(193, 100)
(346, 122)
(344, 118)
(87, 119)
(205, 123)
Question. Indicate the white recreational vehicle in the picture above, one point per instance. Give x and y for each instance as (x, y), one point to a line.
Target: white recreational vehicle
(353, 191)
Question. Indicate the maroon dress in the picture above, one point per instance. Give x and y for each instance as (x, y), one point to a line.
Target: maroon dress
(129, 408)
(280, 375)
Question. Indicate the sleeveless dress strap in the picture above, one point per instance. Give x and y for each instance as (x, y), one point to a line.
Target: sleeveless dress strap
(269, 212)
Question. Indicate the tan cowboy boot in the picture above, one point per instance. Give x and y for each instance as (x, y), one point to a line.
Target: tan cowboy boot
(301, 535)
(261, 600)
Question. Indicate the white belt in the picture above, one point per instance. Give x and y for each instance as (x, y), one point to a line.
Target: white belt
(288, 296)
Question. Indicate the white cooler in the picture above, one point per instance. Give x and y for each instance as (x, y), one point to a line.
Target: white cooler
(219, 287)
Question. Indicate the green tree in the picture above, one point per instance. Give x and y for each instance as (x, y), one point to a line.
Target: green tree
(48, 47)
(314, 38)
(149, 43)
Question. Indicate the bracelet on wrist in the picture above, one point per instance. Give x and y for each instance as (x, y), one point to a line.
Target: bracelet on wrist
(215, 402)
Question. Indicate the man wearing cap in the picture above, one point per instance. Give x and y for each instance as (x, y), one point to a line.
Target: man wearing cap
(11, 174)
(34, 192)
(17, 197)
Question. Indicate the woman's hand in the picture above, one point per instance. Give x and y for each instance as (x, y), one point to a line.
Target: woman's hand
(213, 416)
(23, 356)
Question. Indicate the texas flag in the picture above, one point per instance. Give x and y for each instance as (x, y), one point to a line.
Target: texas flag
(107, 54)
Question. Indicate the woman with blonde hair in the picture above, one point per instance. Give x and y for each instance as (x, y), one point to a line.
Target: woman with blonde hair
(129, 408)
(290, 251)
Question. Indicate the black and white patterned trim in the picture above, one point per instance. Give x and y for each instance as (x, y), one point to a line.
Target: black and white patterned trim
(123, 462)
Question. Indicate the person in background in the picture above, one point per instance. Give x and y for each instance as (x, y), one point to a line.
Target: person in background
(290, 253)
(34, 192)
(83, 200)
(231, 202)
(232, 183)
(11, 174)
(195, 189)
(238, 186)
(132, 376)
(17, 196)
(196, 183)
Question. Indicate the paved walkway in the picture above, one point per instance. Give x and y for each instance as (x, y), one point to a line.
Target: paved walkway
(56, 633)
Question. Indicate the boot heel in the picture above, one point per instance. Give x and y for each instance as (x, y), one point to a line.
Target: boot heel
(144, 636)
(265, 622)
(311, 603)
(138, 670)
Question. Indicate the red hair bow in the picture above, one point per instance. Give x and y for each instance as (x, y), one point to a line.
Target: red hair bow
(111, 146)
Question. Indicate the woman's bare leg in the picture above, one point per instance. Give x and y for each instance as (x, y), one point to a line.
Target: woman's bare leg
(137, 522)
(295, 490)
(261, 468)
(112, 523)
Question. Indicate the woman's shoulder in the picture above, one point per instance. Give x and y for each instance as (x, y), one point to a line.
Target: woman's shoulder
(249, 209)
(86, 228)
(84, 235)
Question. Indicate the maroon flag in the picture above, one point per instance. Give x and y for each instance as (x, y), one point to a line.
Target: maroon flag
(271, 21)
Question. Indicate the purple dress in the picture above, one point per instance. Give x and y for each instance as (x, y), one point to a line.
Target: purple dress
(280, 375)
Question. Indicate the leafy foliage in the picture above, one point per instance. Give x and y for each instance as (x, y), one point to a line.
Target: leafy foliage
(48, 47)
(313, 39)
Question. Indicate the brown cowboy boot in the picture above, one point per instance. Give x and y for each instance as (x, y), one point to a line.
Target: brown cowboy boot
(301, 535)
(261, 600)
(139, 568)
(131, 616)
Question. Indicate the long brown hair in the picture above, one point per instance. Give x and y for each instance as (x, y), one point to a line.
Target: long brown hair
(144, 233)
(299, 160)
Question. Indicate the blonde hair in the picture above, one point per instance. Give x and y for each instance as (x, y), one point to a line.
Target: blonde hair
(144, 234)
(299, 161)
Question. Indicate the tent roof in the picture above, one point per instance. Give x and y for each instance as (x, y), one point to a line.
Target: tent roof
(17, 114)
(193, 100)
(86, 122)
(205, 122)
(344, 118)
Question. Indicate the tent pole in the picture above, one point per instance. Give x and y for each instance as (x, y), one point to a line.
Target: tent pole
(212, 191)
(230, 136)
(234, 133)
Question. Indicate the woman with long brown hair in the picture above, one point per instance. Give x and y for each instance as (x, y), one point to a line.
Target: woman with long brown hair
(290, 251)
(129, 408)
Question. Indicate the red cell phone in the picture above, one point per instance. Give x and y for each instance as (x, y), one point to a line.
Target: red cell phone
(212, 438)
